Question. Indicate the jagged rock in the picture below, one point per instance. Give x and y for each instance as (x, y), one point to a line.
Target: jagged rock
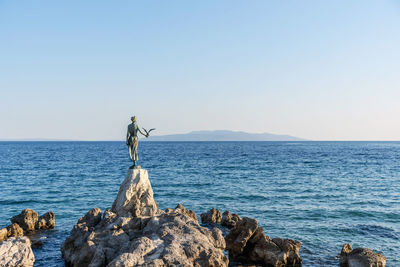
(26, 222)
(136, 233)
(92, 218)
(360, 257)
(290, 249)
(229, 220)
(212, 216)
(176, 239)
(237, 238)
(3, 234)
(26, 219)
(165, 239)
(135, 196)
(16, 252)
(247, 243)
(46, 221)
(182, 210)
(139, 251)
(14, 230)
(346, 249)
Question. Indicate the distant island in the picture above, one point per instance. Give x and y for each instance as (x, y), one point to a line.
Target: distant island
(223, 135)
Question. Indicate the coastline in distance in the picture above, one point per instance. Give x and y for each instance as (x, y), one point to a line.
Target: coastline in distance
(223, 135)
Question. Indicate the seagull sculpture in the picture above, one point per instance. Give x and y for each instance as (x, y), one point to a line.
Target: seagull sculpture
(148, 132)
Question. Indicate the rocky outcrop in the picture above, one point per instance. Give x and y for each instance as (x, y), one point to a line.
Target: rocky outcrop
(212, 216)
(26, 223)
(247, 243)
(165, 239)
(3, 234)
(135, 196)
(360, 257)
(26, 219)
(29, 221)
(46, 221)
(229, 220)
(14, 230)
(15, 248)
(237, 238)
(92, 218)
(136, 233)
(182, 210)
(16, 252)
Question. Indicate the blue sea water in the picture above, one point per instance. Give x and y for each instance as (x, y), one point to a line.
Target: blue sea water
(323, 194)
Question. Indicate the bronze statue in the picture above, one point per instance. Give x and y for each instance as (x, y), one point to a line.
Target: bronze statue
(132, 140)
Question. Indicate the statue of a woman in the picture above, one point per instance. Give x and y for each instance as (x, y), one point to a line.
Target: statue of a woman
(132, 140)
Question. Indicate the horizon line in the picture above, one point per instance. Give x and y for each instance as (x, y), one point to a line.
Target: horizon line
(143, 139)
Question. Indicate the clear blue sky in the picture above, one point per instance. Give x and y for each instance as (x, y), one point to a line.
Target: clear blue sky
(322, 70)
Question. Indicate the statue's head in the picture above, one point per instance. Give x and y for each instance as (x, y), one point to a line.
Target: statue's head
(134, 119)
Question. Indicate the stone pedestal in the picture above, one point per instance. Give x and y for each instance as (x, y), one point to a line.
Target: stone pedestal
(135, 196)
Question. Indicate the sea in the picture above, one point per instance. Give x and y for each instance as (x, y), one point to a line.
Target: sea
(323, 194)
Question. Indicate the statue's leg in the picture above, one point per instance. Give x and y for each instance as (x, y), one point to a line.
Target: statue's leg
(130, 152)
(135, 143)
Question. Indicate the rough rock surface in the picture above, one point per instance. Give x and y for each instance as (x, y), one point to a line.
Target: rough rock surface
(212, 216)
(46, 221)
(15, 249)
(26, 219)
(14, 230)
(16, 252)
(247, 243)
(129, 236)
(229, 220)
(92, 218)
(26, 223)
(360, 257)
(3, 234)
(182, 210)
(237, 238)
(135, 196)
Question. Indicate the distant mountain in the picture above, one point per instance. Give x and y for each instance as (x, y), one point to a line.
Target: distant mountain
(223, 135)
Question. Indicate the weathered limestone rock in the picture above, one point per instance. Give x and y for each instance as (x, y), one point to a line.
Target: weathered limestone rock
(290, 249)
(237, 238)
(3, 234)
(16, 252)
(136, 233)
(176, 239)
(135, 196)
(212, 216)
(92, 218)
(182, 210)
(247, 243)
(46, 221)
(29, 221)
(360, 257)
(346, 249)
(14, 230)
(229, 220)
(165, 239)
(26, 219)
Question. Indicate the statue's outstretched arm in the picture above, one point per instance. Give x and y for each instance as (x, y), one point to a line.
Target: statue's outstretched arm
(144, 134)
